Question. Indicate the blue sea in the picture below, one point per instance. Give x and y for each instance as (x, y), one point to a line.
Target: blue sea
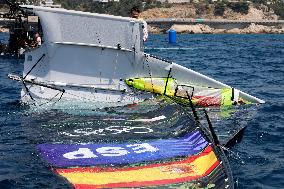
(251, 63)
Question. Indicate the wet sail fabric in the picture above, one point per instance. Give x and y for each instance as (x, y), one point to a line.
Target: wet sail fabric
(188, 169)
(64, 155)
(201, 96)
(153, 163)
(117, 150)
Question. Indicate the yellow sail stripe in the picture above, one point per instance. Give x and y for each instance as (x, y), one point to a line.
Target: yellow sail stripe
(176, 170)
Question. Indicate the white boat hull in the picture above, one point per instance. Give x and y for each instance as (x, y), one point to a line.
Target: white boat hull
(91, 62)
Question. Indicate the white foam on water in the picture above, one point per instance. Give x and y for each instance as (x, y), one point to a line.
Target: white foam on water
(150, 120)
(170, 48)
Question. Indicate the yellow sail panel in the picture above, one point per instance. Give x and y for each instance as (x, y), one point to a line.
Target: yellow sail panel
(202, 96)
(192, 168)
(155, 85)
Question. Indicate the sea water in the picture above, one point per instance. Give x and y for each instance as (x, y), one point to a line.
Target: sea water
(252, 63)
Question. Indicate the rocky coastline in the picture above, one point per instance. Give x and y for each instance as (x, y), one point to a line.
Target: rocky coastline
(205, 29)
(189, 11)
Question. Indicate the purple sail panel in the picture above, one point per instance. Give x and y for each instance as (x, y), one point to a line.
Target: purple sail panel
(66, 155)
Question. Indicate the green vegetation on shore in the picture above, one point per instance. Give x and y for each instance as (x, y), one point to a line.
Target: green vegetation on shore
(278, 7)
(115, 8)
(240, 7)
(123, 6)
(120, 8)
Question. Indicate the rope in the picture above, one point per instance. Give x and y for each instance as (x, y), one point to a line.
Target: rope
(62, 92)
(23, 79)
(27, 90)
(167, 81)
(34, 66)
(192, 107)
(150, 75)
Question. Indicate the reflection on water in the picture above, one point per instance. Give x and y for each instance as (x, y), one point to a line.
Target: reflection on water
(152, 119)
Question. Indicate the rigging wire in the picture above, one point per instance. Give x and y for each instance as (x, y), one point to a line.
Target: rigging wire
(150, 74)
(34, 66)
(23, 79)
(49, 100)
(192, 106)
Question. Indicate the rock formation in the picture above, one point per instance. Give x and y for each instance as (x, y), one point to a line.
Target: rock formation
(204, 29)
(189, 11)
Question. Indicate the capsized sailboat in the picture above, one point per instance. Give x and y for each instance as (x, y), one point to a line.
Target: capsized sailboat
(100, 58)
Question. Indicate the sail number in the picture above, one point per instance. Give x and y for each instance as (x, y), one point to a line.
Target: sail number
(86, 153)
